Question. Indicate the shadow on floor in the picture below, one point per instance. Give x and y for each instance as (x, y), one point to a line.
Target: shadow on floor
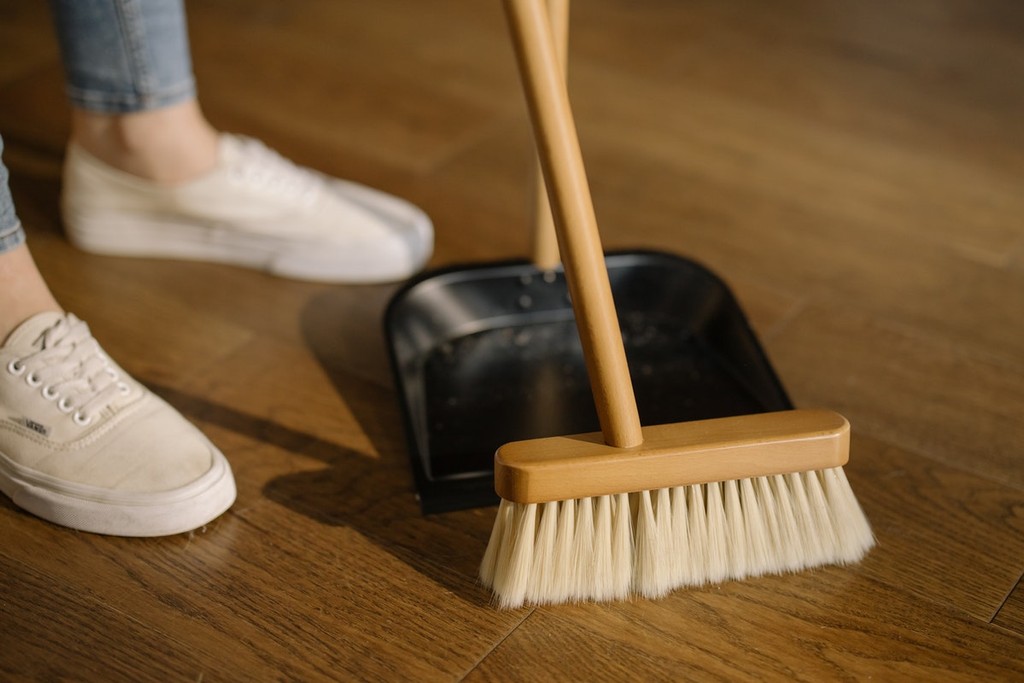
(372, 496)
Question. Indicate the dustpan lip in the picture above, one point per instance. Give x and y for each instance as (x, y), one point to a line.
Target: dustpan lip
(469, 267)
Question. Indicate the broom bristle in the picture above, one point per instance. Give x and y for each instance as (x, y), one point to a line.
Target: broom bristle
(612, 547)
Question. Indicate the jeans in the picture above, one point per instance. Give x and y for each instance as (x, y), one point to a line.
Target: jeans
(119, 56)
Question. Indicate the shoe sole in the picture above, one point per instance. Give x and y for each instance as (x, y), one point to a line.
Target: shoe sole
(146, 237)
(117, 513)
(149, 236)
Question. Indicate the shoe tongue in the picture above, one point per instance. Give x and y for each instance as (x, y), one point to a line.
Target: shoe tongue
(29, 333)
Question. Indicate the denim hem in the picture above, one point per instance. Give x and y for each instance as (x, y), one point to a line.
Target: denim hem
(124, 56)
(12, 237)
(126, 103)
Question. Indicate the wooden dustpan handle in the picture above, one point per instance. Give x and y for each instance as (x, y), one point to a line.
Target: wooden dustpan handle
(545, 242)
(575, 223)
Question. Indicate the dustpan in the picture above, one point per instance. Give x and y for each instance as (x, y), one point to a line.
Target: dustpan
(487, 354)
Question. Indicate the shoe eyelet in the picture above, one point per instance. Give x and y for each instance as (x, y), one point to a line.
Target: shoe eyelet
(50, 393)
(81, 419)
(15, 367)
(124, 388)
(32, 379)
(64, 405)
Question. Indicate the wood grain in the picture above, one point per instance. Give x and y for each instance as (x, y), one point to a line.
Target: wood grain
(852, 170)
(1011, 613)
(823, 626)
(922, 392)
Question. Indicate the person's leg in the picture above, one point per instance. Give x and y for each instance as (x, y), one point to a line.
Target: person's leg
(84, 445)
(170, 145)
(23, 293)
(129, 80)
(210, 196)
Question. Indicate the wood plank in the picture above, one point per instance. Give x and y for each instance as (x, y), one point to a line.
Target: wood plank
(256, 600)
(331, 447)
(851, 171)
(33, 109)
(825, 626)
(80, 626)
(875, 70)
(1011, 613)
(751, 202)
(155, 334)
(369, 95)
(27, 37)
(897, 384)
(944, 534)
(286, 384)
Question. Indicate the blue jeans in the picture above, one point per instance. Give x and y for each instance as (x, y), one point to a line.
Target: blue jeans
(119, 56)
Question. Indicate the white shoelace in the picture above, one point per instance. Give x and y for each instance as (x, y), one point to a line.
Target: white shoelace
(263, 169)
(71, 370)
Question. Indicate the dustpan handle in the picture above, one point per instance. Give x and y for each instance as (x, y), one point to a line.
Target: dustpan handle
(576, 225)
(545, 241)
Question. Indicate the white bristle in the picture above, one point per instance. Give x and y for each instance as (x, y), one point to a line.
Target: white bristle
(666, 538)
(758, 537)
(680, 560)
(562, 581)
(583, 551)
(666, 541)
(820, 514)
(812, 551)
(735, 531)
(653, 558)
(652, 542)
(501, 526)
(718, 539)
(512, 589)
(542, 574)
(770, 518)
(697, 530)
(646, 543)
(603, 548)
(508, 539)
(852, 528)
(791, 551)
(622, 547)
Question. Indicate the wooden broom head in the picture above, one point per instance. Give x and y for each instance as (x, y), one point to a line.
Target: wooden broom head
(702, 451)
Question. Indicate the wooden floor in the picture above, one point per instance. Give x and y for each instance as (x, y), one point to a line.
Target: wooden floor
(852, 169)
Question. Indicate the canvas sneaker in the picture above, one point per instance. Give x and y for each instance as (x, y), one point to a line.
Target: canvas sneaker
(84, 445)
(256, 209)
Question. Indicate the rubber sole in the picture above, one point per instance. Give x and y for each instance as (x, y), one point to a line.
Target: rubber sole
(118, 513)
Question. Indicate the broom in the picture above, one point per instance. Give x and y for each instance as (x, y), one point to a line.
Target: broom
(643, 510)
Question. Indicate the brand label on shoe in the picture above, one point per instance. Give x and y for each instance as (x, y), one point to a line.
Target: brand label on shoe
(33, 425)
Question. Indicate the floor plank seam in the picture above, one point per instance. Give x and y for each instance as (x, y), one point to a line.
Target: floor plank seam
(779, 326)
(89, 598)
(1015, 255)
(497, 644)
(912, 449)
(916, 333)
(1006, 598)
(892, 323)
(484, 132)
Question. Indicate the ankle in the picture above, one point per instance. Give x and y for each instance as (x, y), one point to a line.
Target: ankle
(170, 145)
(23, 292)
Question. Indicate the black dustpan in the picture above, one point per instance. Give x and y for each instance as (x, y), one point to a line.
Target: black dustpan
(488, 354)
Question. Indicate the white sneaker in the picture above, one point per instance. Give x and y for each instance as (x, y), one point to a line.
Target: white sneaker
(84, 445)
(256, 209)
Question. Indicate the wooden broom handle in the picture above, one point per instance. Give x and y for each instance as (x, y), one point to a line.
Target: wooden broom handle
(576, 225)
(545, 241)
